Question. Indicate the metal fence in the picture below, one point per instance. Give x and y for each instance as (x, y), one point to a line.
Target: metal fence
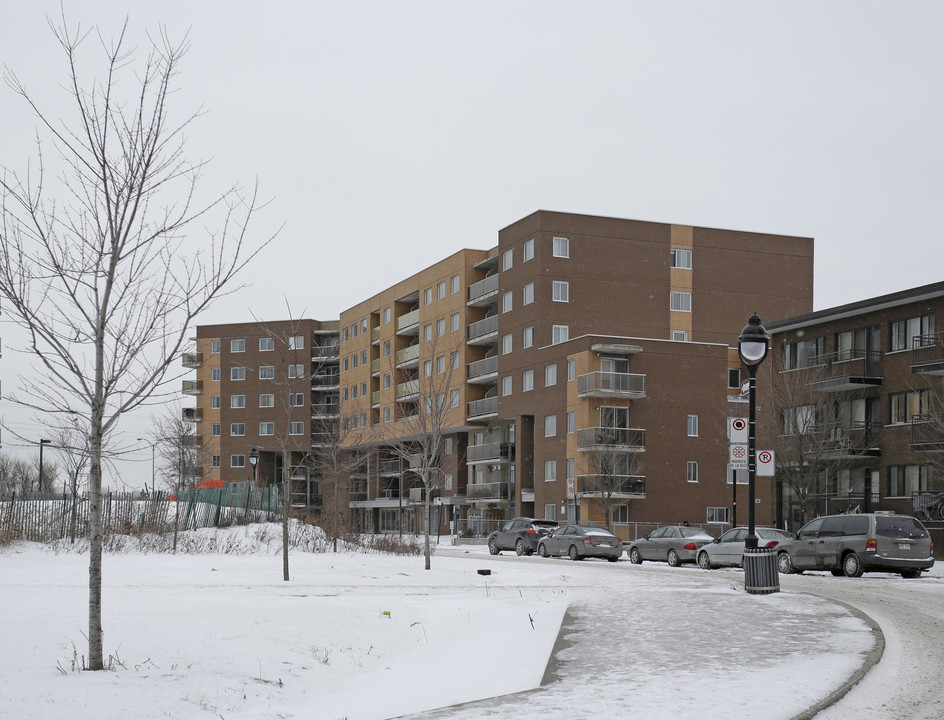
(45, 517)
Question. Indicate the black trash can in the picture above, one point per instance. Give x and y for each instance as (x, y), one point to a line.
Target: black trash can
(761, 575)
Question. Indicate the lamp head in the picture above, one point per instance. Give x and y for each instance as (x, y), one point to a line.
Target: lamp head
(253, 457)
(753, 342)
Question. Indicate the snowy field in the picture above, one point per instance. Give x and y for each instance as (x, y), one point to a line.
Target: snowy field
(364, 637)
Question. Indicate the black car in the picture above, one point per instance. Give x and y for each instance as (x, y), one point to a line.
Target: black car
(521, 535)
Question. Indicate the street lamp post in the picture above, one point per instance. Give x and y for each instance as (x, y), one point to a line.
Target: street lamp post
(42, 442)
(752, 347)
(153, 471)
(253, 459)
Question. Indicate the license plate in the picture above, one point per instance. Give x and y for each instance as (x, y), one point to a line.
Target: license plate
(904, 546)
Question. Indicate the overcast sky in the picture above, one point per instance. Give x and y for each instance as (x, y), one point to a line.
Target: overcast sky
(391, 134)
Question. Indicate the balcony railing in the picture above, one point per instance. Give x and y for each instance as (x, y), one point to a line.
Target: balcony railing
(481, 369)
(927, 433)
(319, 410)
(483, 328)
(192, 360)
(408, 390)
(927, 354)
(844, 440)
(845, 370)
(375, 398)
(488, 453)
(611, 384)
(408, 356)
(389, 466)
(622, 486)
(483, 290)
(325, 352)
(606, 439)
(325, 380)
(375, 335)
(409, 323)
(192, 387)
(486, 406)
(191, 441)
(194, 414)
(487, 491)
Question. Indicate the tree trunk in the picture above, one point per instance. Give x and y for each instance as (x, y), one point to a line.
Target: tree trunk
(96, 655)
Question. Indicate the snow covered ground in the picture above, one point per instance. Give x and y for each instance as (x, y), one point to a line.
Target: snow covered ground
(363, 637)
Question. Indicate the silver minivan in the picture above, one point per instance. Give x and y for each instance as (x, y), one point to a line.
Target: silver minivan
(853, 544)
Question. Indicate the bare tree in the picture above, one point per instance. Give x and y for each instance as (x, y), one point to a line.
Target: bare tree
(616, 475)
(105, 278)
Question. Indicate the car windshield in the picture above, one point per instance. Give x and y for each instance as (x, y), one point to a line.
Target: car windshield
(597, 531)
(771, 533)
(545, 524)
(692, 532)
(899, 526)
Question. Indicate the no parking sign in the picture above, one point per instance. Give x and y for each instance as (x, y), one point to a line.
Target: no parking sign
(737, 430)
(765, 463)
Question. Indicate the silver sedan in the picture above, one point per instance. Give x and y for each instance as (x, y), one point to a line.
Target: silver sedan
(674, 544)
(579, 542)
(729, 548)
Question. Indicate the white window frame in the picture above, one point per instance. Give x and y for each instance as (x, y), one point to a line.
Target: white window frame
(561, 291)
(550, 375)
(266, 429)
(680, 258)
(454, 284)
(560, 334)
(215, 403)
(691, 471)
(266, 344)
(215, 374)
(237, 429)
(527, 293)
(296, 428)
(507, 344)
(237, 461)
(571, 423)
(527, 337)
(266, 400)
(454, 322)
(508, 260)
(680, 335)
(527, 250)
(693, 426)
(508, 302)
(550, 425)
(680, 301)
(237, 402)
(507, 385)
(215, 347)
(571, 370)
(386, 315)
(550, 470)
(527, 381)
(427, 296)
(237, 345)
(440, 327)
(267, 372)
(237, 374)
(561, 247)
(441, 290)
(428, 332)
(296, 370)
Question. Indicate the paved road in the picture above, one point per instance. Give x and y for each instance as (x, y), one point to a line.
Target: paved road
(907, 681)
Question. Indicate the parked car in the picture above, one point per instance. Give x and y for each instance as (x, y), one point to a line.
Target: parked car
(672, 544)
(729, 548)
(853, 544)
(521, 535)
(579, 542)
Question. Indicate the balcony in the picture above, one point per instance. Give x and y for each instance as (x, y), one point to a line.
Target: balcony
(409, 390)
(192, 387)
(630, 386)
(843, 441)
(326, 381)
(375, 335)
(191, 360)
(194, 414)
(606, 439)
(408, 357)
(616, 486)
(191, 441)
(409, 324)
(389, 466)
(358, 492)
(325, 410)
(489, 491)
(375, 399)
(484, 331)
(927, 354)
(483, 371)
(325, 352)
(479, 409)
(324, 439)
(845, 370)
(484, 292)
(487, 454)
(927, 433)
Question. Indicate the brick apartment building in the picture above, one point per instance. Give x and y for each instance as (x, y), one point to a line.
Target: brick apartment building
(858, 400)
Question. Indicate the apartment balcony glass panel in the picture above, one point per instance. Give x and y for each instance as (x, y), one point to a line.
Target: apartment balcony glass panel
(194, 414)
(927, 354)
(612, 384)
(843, 440)
(617, 486)
(487, 454)
(483, 408)
(325, 410)
(409, 324)
(192, 360)
(487, 491)
(483, 331)
(845, 370)
(927, 433)
(408, 390)
(192, 387)
(607, 439)
(375, 398)
(482, 371)
(408, 357)
(375, 367)
(192, 441)
(375, 336)
(325, 352)
(484, 292)
(323, 381)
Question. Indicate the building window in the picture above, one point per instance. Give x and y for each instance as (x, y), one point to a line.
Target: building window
(454, 281)
(387, 414)
(527, 337)
(693, 426)
(506, 385)
(267, 400)
(266, 344)
(428, 296)
(681, 258)
(344, 335)
(804, 353)
(454, 398)
(215, 402)
(215, 429)
(454, 360)
(903, 332)
(428, 368)
(237, 373)
(550, 425)
(237, 401)
(237, 461)
(386, 347)
(561, 291)
(267, 372)
(904, 405)
(620, 514)
(215, 374)
(215, 461)
(428, 332)
(354, 392)
(734, 378)
(296, 399)
(507, 344)
(237, 346)
(527, 294)
(447, 446)
(562, 247)
(550, 511)
(296, 428)
(692, 474)
(561, 333)
(508, 259)
(440, 364)
(571, 423)
(363, 357)
(441, 327)
(237, 429)
(344, 365)
(527, 252)
(267, 428)
(363, 327)
(215, 347)
(550, 375)
(454, 322)
(447, 481)
(680, 335)
(904, 480)
(387, 381)
(717, 515)
(354, 362)
(441, 290)
(386, 315)
(571, 370)
(527, 380)
(298, 371)
(681, 301)
(550, 470)
(571, 469)
(507, 302)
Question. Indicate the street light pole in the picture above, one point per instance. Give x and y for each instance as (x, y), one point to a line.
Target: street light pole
(253, 459)
(153, 471)
(752, 347)
(42, 442)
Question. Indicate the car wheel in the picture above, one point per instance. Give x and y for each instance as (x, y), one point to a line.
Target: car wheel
(493, 546)
(785, 564)
(542, 550)
(520, 549)
(704, 562)
(836, 573)
(573, 553)
(911, 573)
(673, 559)
(635, 557)
(851, 566)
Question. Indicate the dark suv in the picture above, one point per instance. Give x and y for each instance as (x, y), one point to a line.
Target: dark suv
(521, 535)
(852, 544)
